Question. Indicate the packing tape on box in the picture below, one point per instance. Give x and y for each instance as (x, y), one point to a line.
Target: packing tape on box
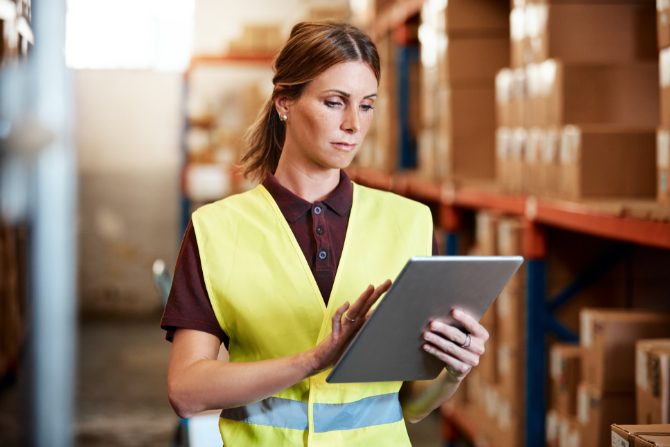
(503, 142)
(663, 149)
(550, 146)
(586, 328)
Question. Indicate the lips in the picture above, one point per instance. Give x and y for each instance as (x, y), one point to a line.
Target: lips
(342, 145)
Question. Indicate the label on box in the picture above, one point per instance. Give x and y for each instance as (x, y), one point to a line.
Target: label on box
(516, 23)
(664, 67)
(583, 402)
(552, 427)
(570, 143)
(549, 71)
(504, 359)
(555, 364)
(504, 414)
(663, 149)
(641, 369)
(618, 441)
(586, 328)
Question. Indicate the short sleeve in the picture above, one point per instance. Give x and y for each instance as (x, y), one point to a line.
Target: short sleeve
(188, 305)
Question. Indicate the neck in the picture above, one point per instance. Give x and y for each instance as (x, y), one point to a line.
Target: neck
(311, 185)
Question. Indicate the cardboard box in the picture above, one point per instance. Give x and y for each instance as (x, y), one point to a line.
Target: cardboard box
(601, 94)
(608, 338)
(625, 435)
(599, 162)
(590, 32)
(663, 23)
(663, 165)
(596, 412)
(470, 128)
(652, 379)
(503, 83)
(475, 60)
(564, 369)
(483, 17)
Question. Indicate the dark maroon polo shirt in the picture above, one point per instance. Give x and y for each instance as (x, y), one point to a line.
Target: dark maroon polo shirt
(319, 228)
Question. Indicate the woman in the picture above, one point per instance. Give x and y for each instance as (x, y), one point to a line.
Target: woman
(269, 273)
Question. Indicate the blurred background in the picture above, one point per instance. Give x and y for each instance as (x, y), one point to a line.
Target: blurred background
(533, 127)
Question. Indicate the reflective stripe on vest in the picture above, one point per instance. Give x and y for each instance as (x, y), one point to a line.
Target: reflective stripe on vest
(286, 413)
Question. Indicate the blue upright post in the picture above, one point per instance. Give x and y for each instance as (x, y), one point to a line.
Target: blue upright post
(406, 56)
(451, 244)
(535, 354)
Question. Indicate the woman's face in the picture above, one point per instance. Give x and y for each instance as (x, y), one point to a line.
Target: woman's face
(328, 122)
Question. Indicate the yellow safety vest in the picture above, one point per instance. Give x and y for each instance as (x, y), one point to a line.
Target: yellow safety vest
(266, 299)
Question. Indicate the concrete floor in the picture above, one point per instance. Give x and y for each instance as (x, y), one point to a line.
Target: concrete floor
(121, 398)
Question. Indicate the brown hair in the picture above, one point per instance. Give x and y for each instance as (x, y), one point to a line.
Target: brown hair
(311, 49)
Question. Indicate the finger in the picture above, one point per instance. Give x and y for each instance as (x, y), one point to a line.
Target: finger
(337, 319)
(458, 336)
(354, 311)
(461, 368)
(450, 348)
(470, 324)
(378, 292)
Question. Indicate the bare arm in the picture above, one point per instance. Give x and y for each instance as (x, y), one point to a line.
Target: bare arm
(445, 342)
(197, 381)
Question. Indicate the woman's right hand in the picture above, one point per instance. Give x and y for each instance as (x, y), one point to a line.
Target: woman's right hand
(346, 323)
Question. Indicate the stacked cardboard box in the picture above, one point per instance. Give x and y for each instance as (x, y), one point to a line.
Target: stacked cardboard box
(652, 377)
(463, 44)
(495, 393)
(587, 72)
(650, 435)
(257, 38)
(606, 393)
(663, 139)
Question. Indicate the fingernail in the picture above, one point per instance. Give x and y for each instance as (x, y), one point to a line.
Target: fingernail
(455, 312)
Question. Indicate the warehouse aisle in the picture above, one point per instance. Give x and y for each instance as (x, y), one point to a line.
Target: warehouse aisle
(121, 397)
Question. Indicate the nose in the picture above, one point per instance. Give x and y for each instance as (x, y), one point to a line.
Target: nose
(351, 121)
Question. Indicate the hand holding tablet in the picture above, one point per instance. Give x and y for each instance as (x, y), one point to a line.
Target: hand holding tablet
(389, 346)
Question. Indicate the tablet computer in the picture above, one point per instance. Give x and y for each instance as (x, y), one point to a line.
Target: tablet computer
(388, 345)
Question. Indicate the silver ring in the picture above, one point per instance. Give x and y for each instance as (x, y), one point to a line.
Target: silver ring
(349, 319)
(466, 343)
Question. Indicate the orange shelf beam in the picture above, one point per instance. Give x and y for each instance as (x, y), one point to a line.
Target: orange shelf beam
(556, 213)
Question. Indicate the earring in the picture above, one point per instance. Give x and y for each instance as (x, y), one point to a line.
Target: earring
(283, 118)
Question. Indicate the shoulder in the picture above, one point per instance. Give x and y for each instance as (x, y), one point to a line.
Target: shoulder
(389, 202)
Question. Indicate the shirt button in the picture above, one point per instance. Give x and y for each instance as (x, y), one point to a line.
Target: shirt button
(319, 230)
(323, 255)
(317, 210)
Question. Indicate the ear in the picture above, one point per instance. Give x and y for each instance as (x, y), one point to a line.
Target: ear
(282, 105)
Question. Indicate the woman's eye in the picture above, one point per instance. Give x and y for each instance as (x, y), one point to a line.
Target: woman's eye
(367, 107)
(333, 104)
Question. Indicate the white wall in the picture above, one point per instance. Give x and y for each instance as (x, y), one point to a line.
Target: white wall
(127, 131)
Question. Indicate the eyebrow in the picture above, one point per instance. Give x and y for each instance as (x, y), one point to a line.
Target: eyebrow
(347, 95)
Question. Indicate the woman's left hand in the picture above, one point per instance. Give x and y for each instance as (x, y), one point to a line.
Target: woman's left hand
(460, 350)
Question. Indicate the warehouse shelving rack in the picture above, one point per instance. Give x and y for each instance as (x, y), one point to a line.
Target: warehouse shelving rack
(537, 214)
(244, 59)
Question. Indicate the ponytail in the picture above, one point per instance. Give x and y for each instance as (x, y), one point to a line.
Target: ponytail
(264, 140)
